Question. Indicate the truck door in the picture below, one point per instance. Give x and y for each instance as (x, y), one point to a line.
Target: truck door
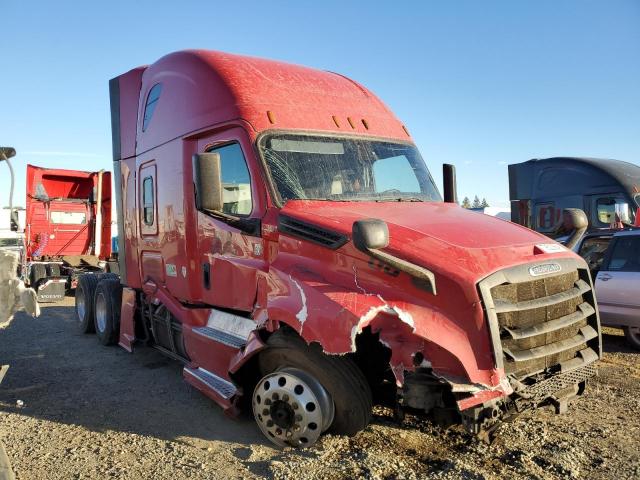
(230, 256)
(618, 283)
(151, 262)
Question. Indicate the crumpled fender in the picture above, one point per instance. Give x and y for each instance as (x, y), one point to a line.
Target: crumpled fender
(333, 316)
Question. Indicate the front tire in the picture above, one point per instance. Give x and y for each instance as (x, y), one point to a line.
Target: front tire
(290, 362)
(107, 303)
(38, 272)
(632, 335)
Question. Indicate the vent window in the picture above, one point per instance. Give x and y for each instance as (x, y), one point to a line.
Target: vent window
(150, 106)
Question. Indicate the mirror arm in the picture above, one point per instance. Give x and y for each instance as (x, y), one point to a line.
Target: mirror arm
(424, 276)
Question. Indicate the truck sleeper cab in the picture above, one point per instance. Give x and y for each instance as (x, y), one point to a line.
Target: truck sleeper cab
(608, 191)
(280, 234)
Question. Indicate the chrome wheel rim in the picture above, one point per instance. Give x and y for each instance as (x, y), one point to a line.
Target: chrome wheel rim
(292, 408)
(80, 305)
(101, 313)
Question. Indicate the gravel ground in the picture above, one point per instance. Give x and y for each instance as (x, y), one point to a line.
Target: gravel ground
(70, 408)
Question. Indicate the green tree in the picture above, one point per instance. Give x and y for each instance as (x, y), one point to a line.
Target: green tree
(476, 202)
(484, 203)
(466, 203)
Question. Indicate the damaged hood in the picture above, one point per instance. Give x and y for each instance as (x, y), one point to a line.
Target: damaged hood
(440, 236)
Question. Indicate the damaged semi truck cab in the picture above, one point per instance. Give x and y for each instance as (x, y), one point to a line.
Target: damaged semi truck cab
(280, 234)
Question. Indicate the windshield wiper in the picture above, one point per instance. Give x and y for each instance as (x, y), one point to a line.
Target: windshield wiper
(401, 199)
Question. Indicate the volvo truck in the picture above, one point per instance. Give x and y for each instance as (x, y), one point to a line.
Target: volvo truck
(281, 236)
(67, 229)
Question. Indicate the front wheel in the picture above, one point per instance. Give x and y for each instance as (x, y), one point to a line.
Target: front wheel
(305, 392)
(292, 408)
(633, 336)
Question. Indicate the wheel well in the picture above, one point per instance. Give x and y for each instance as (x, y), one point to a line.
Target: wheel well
(371, 357)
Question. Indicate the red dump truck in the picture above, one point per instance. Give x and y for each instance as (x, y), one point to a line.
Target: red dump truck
(67, 228)
(281, 236)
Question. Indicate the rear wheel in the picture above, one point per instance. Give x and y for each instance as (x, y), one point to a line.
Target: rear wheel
(633, 336)
(38, 272)
(304, 392)
(107, 302)
(53, 270)
(85, 292)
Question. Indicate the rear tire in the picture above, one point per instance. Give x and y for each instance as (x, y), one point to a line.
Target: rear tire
(633, 336)
(85, 293)
(38, 272)
(53, 270)
(338, 375)
(107, 303)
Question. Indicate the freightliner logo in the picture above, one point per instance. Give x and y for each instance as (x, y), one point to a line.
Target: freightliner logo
(544, 269)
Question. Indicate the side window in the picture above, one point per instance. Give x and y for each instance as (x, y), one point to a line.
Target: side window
(625, 256)
(606, 209)
(148, 214)
(236, 181)
(613, 210)
(150, 105)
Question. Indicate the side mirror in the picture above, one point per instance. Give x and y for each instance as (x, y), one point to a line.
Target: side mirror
(7, 152)
(370, 234)
(449, 183)
(208, 181)
(576, 221)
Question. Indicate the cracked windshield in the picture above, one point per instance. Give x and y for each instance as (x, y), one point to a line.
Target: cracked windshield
(305, 167)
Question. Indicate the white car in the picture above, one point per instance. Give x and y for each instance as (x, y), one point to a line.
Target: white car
(618, 285)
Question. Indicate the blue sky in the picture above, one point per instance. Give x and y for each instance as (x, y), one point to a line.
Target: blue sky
(479, 84)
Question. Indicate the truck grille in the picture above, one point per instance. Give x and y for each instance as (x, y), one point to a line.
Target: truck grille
(542, 323)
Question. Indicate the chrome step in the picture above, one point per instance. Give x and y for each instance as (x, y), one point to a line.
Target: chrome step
(221, 386)
(220, 336)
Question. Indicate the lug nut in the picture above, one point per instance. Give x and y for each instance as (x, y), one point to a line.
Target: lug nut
(298, 418)
(269, 423)
(285, 397)
(295, 405)
(267, 401)
(265, 412)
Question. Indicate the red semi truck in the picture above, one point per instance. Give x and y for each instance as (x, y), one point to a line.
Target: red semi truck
(280, 234)
(67, 228)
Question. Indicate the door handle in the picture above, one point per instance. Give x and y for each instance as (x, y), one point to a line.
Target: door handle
(605, 277)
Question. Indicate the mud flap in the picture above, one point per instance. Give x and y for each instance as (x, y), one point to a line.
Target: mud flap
(51, 290)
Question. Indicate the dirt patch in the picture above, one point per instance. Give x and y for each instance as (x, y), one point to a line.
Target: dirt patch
(97, 412)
